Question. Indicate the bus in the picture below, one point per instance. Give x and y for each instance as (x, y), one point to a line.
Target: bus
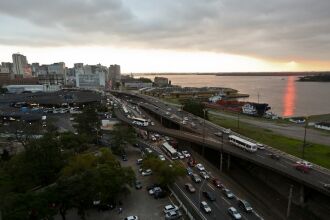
(242, 143)
(170, 151)
(140, 121)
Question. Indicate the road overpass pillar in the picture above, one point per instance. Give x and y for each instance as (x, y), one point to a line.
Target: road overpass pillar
(221, 162)
(228, 162)
(302, 195)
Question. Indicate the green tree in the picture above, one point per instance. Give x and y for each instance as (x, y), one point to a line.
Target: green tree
(77, 143)
(88, 122)
(195, 107)
(166, 173)
(122, 134)
(3, 90)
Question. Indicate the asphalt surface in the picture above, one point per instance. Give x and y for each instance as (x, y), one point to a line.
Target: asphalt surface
(315, 179)
(219, 207)
(287, 130)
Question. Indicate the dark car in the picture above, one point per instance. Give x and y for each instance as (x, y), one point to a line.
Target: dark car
(190, 188)
(274, 156)
(245, 205)
(124, 157)
(160, 194)
(217, 183)
(210, 196)
(138, 184)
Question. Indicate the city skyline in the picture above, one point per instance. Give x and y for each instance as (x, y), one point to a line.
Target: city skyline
(180, 36)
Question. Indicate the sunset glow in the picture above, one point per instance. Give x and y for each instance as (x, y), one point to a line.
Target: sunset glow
(289, 98)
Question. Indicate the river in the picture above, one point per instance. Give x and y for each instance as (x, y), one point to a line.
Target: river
(286, 96)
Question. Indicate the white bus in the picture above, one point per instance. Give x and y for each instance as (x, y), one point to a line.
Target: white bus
(170, 151)
(242, 143)
(140, 121)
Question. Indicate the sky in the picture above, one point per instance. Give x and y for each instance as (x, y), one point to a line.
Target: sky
(171, 35)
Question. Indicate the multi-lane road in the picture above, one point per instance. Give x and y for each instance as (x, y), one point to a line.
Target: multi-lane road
(205, 134)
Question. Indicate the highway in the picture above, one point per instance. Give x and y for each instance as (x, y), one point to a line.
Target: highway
(315, 179)
(219, 207)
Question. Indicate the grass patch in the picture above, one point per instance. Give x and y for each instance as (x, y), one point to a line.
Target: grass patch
(315, 153)
(172, 100)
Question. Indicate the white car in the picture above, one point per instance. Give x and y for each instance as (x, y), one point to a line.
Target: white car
(305, 163)
(186, 153)
(205, 175)
(161, 157)
(170, 208)
(234, 213)
(133, 217)
(200, 167)
(206, 208)
(147, 172)
(260, 146)
(180, 155)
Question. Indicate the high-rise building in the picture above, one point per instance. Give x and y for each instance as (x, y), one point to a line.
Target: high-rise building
(19, 64)
(114, 74)
(9, 65)
(35, 69)
(56, 68)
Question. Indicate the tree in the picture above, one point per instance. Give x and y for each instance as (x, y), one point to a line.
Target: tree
(122, 134)
(88, 122)
(195, 108)
(70, 141)
(166, 173)
(3, 90)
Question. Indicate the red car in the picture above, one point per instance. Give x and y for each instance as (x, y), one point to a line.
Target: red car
(302, 168)
(217, 183)
(191, 162)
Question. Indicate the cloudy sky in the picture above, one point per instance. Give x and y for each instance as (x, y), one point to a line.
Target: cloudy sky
(170, 35)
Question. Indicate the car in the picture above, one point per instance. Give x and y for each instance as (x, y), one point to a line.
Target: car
(167, 138)
(172, 116)
(184, 122)
(152, 123)
(189, 187)
(147, 172)
(180, 155)
(245, 205)
(124, 157)
(136, 145)
(205, 207)
(169, 208)
(234, 213)
(185, 118)
(161, 157)
(133, 217)
(274, 156)
(219, 134)
(173, 215)
(148, 150)
(228, 193)
(326, 185)
(191, 162)
(153, 190)
(204, 174)
(167, 113)
(260, 146)
(305, 163)
(139, 161)
(159, 194)
(302, 168)
(196, 178)
(217, 183)
(138, 184)
(210, 196)
(200, 167)
(186, 154)
(189, 171)
(226, 131)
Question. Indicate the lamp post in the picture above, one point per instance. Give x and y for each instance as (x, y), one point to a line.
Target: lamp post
(204, 111)
(199, 191)
(304, 143)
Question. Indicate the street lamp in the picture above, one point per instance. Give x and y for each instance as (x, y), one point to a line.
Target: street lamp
(204, 112)
(199, 191)
(305, 133)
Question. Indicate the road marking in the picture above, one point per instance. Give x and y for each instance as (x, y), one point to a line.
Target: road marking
(191, 202)
(226, 200)
(211, 186)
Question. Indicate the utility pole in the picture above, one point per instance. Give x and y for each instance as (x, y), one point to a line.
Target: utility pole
(289, 202)
(238, 120)
(204, 110)
(305, 133)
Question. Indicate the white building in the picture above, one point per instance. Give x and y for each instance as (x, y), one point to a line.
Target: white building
(56, 68)
(114, 74)
(90, 81)
(19, 64)
(32, 88)
(323, 125)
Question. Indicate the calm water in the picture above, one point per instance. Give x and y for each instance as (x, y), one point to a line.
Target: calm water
(285, 95)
